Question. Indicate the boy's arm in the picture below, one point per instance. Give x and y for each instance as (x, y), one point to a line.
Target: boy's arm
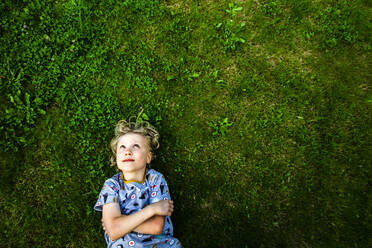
(153, 226)
(117, 225)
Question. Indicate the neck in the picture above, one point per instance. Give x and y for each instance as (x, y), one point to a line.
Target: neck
(137, 176)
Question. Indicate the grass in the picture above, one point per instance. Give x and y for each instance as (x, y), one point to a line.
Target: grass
(263, 109)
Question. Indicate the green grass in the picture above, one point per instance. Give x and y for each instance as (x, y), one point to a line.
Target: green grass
(263, 109)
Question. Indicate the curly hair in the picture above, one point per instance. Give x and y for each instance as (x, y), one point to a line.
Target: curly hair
(133, 126)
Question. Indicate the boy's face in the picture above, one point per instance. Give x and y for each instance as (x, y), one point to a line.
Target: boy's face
(132, 153)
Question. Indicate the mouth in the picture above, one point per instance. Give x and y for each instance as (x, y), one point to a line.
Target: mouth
(128, 160)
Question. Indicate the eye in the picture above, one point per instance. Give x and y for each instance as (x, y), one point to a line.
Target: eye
(122, 147)
(136, 146)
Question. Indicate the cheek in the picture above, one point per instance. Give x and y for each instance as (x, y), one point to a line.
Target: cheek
(118, 155)
(142, 156)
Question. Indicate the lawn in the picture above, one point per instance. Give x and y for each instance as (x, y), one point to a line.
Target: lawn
(263, 107)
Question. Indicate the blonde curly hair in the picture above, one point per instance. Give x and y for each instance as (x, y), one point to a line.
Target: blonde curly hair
(143, 128)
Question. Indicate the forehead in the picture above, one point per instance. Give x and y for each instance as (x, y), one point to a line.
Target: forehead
(131, 138)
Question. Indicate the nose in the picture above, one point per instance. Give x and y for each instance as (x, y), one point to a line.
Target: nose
(127, 152)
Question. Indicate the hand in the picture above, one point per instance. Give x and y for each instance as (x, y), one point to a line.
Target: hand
(164, 207)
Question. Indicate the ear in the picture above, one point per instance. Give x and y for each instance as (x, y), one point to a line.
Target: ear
(149, 157)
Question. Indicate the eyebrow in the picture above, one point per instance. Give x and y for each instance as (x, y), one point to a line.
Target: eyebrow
(133, 145)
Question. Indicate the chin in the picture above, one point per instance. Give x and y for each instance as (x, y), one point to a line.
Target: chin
(123, 168)
(126, 169)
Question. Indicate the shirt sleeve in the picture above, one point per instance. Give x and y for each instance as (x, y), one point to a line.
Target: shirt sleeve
(159, 189)
(108, 194)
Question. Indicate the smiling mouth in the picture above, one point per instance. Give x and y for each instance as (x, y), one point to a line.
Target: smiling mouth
(128, 160)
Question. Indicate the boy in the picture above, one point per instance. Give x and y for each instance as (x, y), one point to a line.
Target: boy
(135, 203)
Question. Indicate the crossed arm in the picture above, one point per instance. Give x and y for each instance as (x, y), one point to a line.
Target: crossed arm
(149, 220)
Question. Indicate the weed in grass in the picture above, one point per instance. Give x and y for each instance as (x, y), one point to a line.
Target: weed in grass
(341, 23)
(230, 30)
(178, 34)
(336, 27)
(300, 10)
(233, 10)
(271, 8)
(220, 126)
